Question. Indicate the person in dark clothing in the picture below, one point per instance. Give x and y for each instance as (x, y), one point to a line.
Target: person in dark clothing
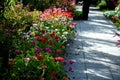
(85, 9)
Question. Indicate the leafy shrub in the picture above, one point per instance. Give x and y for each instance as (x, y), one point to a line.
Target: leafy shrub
(20, 19)
(114, 15)
(102, 4)
(77, 15)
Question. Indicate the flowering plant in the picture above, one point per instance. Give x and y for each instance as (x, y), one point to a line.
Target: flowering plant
(38, 53)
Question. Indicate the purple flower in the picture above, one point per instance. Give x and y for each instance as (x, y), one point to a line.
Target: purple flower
(41, 50)
(69, 68)
(17, 51)
(58, 51)
(71, 61)
(50, 51)
(47, 49)
(36, 48)
(34, 41)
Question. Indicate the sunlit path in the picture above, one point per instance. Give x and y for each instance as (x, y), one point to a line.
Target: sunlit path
(94, 50)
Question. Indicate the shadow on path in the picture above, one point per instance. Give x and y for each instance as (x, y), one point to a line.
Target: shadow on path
(94, 50)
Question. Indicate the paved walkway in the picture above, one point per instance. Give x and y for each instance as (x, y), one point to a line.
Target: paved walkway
(94, 50)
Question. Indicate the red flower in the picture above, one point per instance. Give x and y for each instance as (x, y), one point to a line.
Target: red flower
(44, 39)
(40, 57)
(65, 78)
(39, 38)
(54, 73)
(59, 59)
(42, 79)
(50, 42)
(36, 35)
(56, 37)
(43, 31)
(52, 34)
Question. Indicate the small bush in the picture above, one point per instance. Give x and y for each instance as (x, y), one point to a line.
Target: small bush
(77, 15)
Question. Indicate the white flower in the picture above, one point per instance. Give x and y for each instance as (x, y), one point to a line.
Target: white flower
(56, 29)
(27, 59)
(63, 35)
(65, 32)
(47, 27)
(35, 25)
(63, 29)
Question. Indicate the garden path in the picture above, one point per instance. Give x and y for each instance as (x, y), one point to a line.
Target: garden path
(94, 50)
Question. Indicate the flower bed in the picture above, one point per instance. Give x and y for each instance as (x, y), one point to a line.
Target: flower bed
(38, 53)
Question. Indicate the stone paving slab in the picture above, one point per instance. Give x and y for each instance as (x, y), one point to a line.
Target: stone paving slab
(94, 50)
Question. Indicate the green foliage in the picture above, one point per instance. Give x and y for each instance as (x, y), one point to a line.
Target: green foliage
(117, 25)
(20, 19)
(77, 15)
(30, 67)
(102, 4)
(114, 15)
(115, 12)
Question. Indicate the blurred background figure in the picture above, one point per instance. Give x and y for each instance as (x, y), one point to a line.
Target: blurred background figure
(85, 9)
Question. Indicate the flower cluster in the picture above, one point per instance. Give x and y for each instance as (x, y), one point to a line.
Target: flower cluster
(40, 56)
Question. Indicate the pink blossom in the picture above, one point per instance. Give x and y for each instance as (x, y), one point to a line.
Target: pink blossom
(69, 68)
(47, 49)
(34, 41)
(71, 61)
(17, 51)
(36, 48)
(50, 51)
(118, 43)
(58, 51)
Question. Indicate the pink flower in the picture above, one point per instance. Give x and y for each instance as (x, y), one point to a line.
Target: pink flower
(54, 73)
(118, 43)
(69, 68)
(17, 51)
(71, 61)
(36, 48)
(50, 51)
(34, 41)
(47, 49)
(58, 51)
